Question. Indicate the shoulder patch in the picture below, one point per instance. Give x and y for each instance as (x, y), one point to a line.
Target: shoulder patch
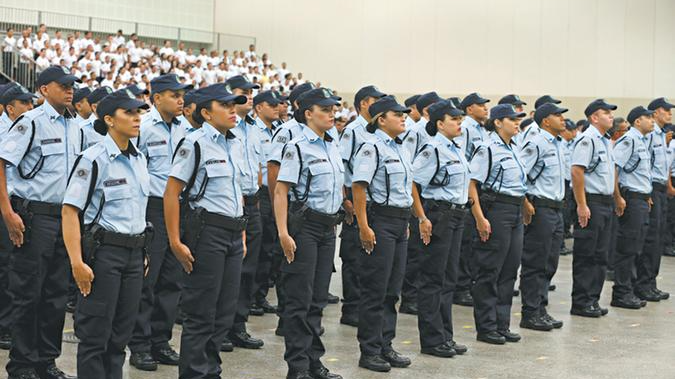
(21, 128)
(183, 152)
(584, 142)
(426, 153)
(289, 154)
(82, 173)
(346, 136)
(366, 152)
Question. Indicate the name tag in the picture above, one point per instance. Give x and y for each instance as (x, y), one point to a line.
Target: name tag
(50, 141)
(114, 182)
(392, 161)
(318, 161)
(215, 161)
(156, 143)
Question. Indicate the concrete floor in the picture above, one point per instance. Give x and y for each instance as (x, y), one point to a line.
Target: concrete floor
(624, 344)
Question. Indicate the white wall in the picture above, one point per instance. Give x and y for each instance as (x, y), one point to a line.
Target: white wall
(573, 49)
(193, 14)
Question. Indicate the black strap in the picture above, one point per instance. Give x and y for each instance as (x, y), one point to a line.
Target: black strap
(38, 166)
(90, 192)
(300, 198)
(191, 182)
(543, 165)
(591, 166)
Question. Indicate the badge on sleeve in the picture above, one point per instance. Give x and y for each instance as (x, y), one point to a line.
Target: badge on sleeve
(289, 155)
(528, 150)
(426, 154)
(366, 153)
(182, 153)
(82, 173)
(21, 128)
(584, 143)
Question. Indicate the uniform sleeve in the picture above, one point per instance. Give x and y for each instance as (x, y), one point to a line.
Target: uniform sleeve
(15, 142)
(622, 152)
(528, 156)
(184, 162)
(346, 143)
(142, 139)
(78, 186)
(279, 140)
(582, 152)
(289, 171)
(365, 164)
(424, 165)
(461, 140)
(478, 166)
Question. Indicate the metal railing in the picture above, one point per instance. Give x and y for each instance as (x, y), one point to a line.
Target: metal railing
(19, 19)
(19, 68)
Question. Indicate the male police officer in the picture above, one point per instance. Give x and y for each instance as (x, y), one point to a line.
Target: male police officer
(159, 137)
(90, 136)
(543, 159)
(594, 182)
(42, 145)
(633, 159)
(414, 115)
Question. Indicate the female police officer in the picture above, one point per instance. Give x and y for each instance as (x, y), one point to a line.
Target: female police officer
(382, 168)
(312, 169)
(109, 184)
(206, 169)
(442, 171)
(498, 172)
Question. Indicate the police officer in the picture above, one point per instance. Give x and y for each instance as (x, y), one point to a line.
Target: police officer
(634, 163)
(414, 115)
(249, 134)
(311, 168)
(42, 146)
(498, 172)
(353, 137)
(383, 172)
(531, 130)
(91, 136)
(650, 261)
(473, 134)
(159, 137)
(594, 184)
(207, 171)
(109, 185)
(569, 136)
(413, 140)
(82, 107)
(544, 163)
(442, 171)
(16, 100)
(187, 122)
(140, 93)
(515, 100)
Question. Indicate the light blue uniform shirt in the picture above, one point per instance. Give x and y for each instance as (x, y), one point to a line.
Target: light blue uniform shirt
(660, 155)
(266, 135)
(631, 155)
(354, 135)
(594, 152)
(527, 135)
(90, 137)
(282, 135)
(543, 158)
(415, 137)
(249, 134)
(381, 158)
(185, 124)
(157, 142)
(473, 134)
(506, 174)
(122, 187)
(568, 149)
(5, 123)
(218, 170)
(311, 156)
(54, 149)
(442, 171)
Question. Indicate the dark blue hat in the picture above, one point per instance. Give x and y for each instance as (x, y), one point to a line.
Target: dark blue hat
(637, 112)
(598, 104)
(98, 94)
(366, 92)
(218, 92)
(456, 101)
(501, 111)
(318, 96)
(426, 100)
(16, 91)
(472, 98)
(546, 99)
(57, 74)
(241, 82)
(190, 97)
(299, 90)
(81, 94)
(570, 125)
(167, 82)
(661, 102)
(381, 106)
(546, 110)
(437, 112)
(137, 91)
(269, 97)
(122, 99)
(412, 100)
(281, 96)
(3, 88)
(512, 99)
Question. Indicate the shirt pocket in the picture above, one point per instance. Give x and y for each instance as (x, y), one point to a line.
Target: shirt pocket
(218, 170)
(53, 149)
(321, 180)
(455, 173)
(117, 193)
(157, 149)
(603, 163)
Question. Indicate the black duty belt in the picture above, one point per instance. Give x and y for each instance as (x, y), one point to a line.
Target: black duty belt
(155, 202)
(636, 195)
(390, 211)
(36, 207)
(130, 241)
(324, 219)
(443, 205)
(602, 199)
(252, 199)
(659, 187)
(502, 198)
(546, 203)
(235, 224)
